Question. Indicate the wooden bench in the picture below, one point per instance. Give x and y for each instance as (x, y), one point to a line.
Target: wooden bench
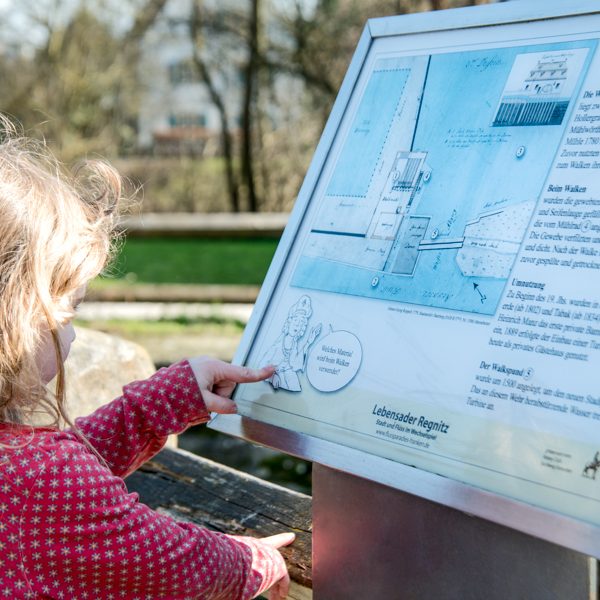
(191, 488)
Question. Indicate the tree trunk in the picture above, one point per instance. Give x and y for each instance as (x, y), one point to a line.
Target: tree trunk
(249, 96)
(216, 98)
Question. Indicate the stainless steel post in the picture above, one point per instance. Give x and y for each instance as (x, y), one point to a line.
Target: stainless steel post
(373, 542)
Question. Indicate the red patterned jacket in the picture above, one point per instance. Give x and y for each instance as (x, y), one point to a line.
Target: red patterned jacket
(69, 529)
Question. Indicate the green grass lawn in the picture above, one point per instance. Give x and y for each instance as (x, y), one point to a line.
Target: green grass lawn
(193, 260)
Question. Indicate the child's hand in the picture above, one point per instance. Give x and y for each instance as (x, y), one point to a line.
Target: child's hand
(280, 590)
(217, 379)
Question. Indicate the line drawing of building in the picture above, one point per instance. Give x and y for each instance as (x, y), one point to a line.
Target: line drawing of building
(542, 96)
(548, 77)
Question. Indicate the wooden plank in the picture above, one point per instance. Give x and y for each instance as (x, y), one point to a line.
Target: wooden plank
(298, 592)
(171, 292)
(195, 489)
(235, 225)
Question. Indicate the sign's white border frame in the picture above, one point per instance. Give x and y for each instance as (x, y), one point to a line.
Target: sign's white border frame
(544, 524)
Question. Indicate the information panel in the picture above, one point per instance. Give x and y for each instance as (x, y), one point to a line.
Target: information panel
(437, 300)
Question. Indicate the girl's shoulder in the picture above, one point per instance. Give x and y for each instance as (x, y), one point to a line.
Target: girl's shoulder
(18, 442)
(33, 459)
(26, 453)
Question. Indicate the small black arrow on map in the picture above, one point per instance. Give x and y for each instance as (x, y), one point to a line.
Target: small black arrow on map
(481, 296)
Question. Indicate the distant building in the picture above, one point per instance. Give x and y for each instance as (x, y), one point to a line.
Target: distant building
(176, 114)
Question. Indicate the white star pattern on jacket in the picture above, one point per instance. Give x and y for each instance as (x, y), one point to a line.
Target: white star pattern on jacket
(69, 528)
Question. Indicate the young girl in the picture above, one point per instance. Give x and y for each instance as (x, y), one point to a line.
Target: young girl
(68, 527)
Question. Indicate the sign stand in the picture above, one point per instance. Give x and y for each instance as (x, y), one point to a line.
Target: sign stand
(372, 541)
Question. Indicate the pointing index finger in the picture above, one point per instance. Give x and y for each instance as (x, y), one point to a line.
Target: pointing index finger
(240, 374)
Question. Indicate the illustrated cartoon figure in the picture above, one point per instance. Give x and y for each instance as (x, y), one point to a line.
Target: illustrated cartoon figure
(592, 466)
(288, 353)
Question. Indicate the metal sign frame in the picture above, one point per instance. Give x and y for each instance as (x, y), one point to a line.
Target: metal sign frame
(541, 523)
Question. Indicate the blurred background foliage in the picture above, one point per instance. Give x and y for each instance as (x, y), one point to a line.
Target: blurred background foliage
(76, 73)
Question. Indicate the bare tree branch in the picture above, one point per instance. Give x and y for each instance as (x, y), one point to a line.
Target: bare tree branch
(196, 24)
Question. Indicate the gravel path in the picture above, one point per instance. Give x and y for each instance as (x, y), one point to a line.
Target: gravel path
(164, 348)
(154, 311)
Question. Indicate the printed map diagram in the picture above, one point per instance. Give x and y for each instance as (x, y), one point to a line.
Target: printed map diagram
(436, 171)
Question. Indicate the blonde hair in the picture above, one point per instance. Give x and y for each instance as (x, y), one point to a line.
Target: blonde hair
(55, 236)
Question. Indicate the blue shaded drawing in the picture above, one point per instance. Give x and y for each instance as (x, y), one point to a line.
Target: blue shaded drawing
(354, 170)
(450, 187)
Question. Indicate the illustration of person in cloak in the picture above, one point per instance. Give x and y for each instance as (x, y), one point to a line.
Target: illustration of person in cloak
(289, 351)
